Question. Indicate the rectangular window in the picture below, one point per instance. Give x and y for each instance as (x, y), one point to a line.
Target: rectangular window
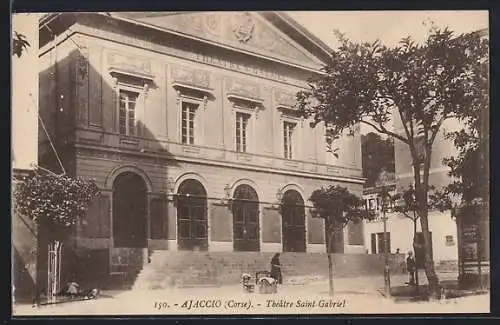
(381, 242)
(188, 115)
(241, 131)
(127, 123)
(355, 233)
(371, 203)
(288, 129)
(449, 240)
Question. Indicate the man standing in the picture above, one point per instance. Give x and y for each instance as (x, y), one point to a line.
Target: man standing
(411, 268)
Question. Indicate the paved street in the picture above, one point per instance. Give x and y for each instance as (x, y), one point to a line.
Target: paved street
(354, 295)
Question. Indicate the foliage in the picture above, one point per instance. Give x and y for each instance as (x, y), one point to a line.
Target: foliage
(377, 156)
(19, 44)
(415, 87)
(338, 206)
(54, 201)
(469, 167)
(405, 201)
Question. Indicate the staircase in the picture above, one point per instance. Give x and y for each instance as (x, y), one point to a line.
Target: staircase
(186, 268)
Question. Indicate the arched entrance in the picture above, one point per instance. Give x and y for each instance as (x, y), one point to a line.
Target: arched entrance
(129, 211)
(293, 222)
(245, 208)
(192, 216)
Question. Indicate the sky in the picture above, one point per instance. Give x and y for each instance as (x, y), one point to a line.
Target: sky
(387, 26)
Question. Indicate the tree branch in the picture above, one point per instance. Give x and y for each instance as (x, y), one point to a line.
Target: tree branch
(436, 129)
(382, 129)
(403, 122)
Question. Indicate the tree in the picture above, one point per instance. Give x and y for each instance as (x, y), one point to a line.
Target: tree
(377, 156)
(405, 203)
(337, 206)
(469, 167)
(19, 44)
(56, 203)
(419, 86)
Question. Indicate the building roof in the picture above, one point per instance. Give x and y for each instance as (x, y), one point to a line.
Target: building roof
(280, 20)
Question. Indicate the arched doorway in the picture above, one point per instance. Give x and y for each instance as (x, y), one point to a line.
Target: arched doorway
(129, 211)
(245, 208)
(293, 222)
(192, 216)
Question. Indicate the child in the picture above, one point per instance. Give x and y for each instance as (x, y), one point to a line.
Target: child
(410, 267)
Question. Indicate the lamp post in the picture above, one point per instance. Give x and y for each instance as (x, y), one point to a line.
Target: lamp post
(387, 279)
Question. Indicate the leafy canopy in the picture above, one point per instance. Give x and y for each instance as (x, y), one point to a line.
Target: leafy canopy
(422, 84)
(57, 202)
(338, 206)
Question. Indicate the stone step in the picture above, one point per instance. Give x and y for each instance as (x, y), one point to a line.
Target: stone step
(181, 268)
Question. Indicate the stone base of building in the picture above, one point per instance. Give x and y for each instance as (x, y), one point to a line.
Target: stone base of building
(163, 268)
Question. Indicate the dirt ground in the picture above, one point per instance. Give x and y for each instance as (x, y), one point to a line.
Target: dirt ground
(352, 296)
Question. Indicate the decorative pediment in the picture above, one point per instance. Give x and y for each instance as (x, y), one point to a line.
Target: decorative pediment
(246, 31)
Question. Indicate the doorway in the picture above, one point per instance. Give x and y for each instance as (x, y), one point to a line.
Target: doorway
(192, 222)
(129, 211)
(245, 208)
(293, 222)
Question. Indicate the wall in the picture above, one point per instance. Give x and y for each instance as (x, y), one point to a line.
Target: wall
(25, 95)
(401, 229)
(161, 116)
(214, 180)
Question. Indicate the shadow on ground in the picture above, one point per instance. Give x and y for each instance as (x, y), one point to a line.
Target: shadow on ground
(450, 289)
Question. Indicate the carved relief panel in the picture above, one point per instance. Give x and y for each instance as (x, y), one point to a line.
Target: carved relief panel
(191, 76)
(243, 88)
(82, 86)
(284, 98)
(129, 63)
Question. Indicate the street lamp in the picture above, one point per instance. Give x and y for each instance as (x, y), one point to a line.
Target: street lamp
(387, 278)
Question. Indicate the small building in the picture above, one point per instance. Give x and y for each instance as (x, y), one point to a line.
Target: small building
(400, 230)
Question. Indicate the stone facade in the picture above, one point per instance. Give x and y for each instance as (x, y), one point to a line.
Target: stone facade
(229, 67)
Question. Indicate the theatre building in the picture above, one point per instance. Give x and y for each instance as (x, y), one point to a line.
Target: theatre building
(187, 123)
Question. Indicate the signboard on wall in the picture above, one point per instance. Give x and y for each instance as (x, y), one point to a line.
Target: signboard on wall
(470, 237)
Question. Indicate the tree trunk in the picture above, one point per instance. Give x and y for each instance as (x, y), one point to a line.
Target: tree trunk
(415, 252)
(421, 192)
(329, 240)
(330, 275)
(430, 271)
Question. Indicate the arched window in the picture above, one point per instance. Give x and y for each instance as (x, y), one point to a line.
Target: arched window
(129, 211)
(245, 208)
(293, 222)
(192, 216)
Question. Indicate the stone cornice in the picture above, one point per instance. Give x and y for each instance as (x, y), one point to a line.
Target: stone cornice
(180, 158)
